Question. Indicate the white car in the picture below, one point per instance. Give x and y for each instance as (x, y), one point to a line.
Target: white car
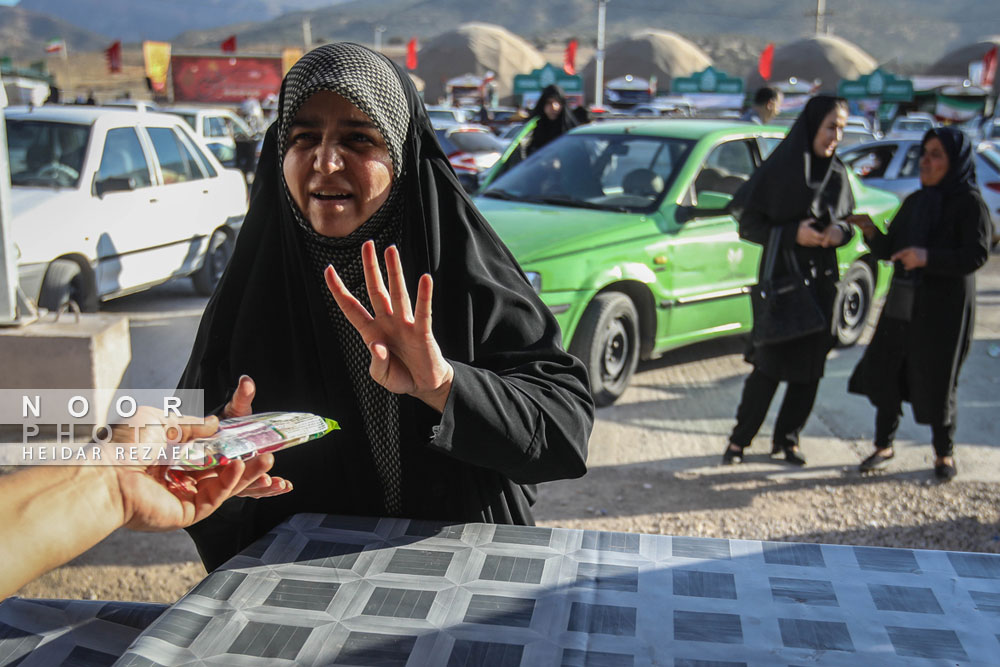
(106, 202)
(218, 128)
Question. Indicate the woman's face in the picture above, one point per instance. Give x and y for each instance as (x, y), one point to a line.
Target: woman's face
(933, 163)
(830, 132)
(337, 165)
(552, 108)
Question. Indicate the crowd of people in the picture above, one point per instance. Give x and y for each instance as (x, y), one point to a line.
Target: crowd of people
(365, 285)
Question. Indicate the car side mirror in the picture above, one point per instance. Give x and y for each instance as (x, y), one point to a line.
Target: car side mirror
(113, 184)
(709, 205)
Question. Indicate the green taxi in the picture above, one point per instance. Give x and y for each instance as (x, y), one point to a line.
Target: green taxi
(622, 229)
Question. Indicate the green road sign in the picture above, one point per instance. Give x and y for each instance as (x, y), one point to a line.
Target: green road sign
(709, 80)
(878, 84)
(540, 78)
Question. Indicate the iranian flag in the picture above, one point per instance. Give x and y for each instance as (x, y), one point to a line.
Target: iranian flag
(55, 45)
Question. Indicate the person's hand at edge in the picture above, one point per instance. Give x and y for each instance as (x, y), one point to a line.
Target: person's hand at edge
(911, 258)
(240, 405)
(807, 236)
(406, 358)
(864, 222)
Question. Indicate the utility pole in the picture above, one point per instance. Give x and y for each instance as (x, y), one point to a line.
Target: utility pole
(307, 34)
(8, 265)
(602, 6)
(379, 29)
(821, 15)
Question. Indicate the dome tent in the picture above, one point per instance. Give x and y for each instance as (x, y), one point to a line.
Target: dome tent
(824, 57)
(476, 48)
(645, 54)
(956, 62)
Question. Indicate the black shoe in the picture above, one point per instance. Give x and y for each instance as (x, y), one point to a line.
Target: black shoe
(875, 462)
(732, 456)
(793, 456)
(945, 472)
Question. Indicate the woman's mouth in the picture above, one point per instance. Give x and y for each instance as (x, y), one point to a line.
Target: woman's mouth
(330, 196)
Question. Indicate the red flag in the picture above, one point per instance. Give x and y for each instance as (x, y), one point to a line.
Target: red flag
(113, 54)
(411, 54)
(569, 60)
(764, 64)
(229, 46)
(989, 67)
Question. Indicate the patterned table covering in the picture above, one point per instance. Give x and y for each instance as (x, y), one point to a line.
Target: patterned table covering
(44, 633)
(334, 590)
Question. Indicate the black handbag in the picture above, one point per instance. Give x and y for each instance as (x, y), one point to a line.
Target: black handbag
(783, 307)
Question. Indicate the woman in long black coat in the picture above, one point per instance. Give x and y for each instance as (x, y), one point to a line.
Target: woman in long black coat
(452, 418)
(554, 118)
(938, 239)
(802, 190)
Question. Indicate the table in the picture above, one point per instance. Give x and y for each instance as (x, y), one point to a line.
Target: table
(70, 632)
(323, 589)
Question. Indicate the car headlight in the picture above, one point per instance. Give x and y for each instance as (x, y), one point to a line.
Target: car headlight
(535, 279)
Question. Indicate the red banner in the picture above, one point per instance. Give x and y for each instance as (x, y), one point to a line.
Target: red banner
(764, 64)
(113, 54)
(224, 78)
(229, 46)
(569, 60)
(411, 54)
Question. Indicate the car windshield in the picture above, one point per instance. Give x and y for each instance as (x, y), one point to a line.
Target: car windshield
(439, 114)
(46, 154)
(190, 119)
(475, 141)
(612, 172)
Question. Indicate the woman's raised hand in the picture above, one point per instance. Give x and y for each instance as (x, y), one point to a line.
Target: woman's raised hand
(406, 358)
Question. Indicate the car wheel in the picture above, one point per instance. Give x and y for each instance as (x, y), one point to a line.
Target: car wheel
(854, 302)
(220, 249)
(65, 282)
(607, 341)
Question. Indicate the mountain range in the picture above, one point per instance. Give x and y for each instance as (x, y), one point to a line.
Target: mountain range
(892, 31)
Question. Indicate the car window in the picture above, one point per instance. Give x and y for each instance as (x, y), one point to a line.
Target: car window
(727, 167)
(441, 114)
(614, 172)
(215, 126)
(190, 119)
(123, 158)
(446, 145)
(176, 162)
(766, 145)
(911, 163)
(870, 162)
(46, 154)
(206, 166)
(474, 141)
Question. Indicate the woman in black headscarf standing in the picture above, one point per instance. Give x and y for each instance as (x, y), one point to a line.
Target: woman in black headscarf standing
(453, 418)
(554, 118)
(938, 239)
(801, 189)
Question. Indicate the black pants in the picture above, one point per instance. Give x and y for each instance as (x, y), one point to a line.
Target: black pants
(758, 390)
(887, 421)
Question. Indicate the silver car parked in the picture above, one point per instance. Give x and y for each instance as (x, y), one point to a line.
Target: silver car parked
(894, 164)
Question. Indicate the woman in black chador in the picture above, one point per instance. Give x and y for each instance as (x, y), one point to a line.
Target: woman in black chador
(802, 189)
(554, 118)
(452, 419)
(938, 239)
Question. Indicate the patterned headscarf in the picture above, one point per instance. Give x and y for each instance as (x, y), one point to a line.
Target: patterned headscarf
(369, 83)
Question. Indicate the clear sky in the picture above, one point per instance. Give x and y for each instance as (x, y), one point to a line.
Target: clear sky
(8, 2)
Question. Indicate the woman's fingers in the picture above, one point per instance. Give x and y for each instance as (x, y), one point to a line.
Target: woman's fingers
(422, 315)
(348, 304)
(241, 404)
(377, 293)
(397, 285)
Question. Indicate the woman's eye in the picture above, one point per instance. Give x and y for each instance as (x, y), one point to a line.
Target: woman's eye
(303, 137)
(361, 138)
